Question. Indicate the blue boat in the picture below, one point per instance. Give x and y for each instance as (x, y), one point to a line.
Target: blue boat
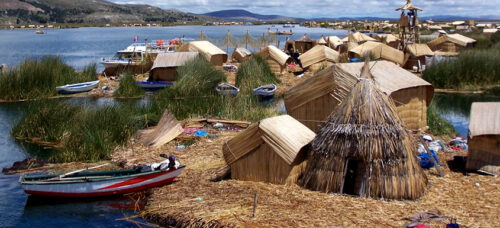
(265, 91)
(77, 88)
(153, 85)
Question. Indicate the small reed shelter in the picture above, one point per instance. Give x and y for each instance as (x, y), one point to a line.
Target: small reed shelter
(484, 137)
(319, 56)
(389, 39)
(333, 42)
(451, 43)
(315, 98)
(166, 64)
(275, 58)
(303, 44)
(240, 54)
(358, 38)
(417, 54)
(268, 151)
(212, 53)
(378, 51)
(364, 149)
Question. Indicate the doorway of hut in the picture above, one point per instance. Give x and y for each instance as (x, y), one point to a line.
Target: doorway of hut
(353, 176)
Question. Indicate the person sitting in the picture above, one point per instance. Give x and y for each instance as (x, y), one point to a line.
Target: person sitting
(171, 162)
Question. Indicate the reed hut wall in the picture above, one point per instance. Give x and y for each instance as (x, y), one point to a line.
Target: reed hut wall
(164, 74)
(484, 153)
(313, 100)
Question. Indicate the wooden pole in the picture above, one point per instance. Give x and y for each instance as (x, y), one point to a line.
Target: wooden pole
(436, 164)
(254, 205)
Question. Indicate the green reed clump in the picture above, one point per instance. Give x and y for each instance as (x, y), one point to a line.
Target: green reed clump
(194, 95)
(128, 87)
(36, 78)
(85, 134)
(438, 125)
(473, 68)
(252, 73)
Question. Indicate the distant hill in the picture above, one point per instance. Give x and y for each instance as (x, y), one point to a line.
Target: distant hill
(86, 11)
(243, 15)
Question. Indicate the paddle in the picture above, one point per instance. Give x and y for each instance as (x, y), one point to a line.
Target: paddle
(77, 171)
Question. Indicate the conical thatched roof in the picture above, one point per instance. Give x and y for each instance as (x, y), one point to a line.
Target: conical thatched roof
(365, 131)
(304, 38)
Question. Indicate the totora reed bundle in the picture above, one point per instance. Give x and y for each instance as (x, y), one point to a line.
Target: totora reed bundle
(364, 149)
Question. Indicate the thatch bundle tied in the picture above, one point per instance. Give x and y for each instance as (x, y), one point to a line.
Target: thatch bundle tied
(364, 149)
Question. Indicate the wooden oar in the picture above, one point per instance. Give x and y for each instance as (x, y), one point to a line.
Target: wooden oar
(76, 171)
(81, 170)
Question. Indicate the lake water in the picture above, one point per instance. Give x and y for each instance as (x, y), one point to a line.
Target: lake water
(82, 46)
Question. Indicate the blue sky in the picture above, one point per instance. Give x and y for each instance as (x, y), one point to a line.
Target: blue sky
(330, 8)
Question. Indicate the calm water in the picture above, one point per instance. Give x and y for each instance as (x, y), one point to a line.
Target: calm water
(456, 108)
(82, 46)
(18, 210)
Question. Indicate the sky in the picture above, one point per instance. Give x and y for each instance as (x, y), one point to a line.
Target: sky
(330, 8)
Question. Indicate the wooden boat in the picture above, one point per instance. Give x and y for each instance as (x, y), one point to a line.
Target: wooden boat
(78, 87)
(226, 89)
(277, 32)
(84, 183)
(39, 31)
(153, 85)
(265, 91)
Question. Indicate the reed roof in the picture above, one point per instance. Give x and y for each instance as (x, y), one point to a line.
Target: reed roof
(317, 54)
(388, 37)
(243, 52)
(418, 50)
(484, 119)
(454, 38)
(408, 6)
(285, 135)
(357, 37)
(380, 50)
(339, 79)
(304, 38)
(274, 53)
(334, 41)
(206, 48)
(365, 128)
(173, 59)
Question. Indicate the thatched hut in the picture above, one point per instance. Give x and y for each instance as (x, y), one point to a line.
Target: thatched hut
(303, 44)
(333, 42)
(484, 137)
(312, 100)
(417, 54)
(166, 64)
(268, 151)
(364, 149)
(358, 38)
(378, 51)
(275, 58)
(389, 39)
(212, 53)
(241, 54)
(319, 56)
(451, 43)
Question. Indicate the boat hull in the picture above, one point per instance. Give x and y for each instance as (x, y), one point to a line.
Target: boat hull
(105, 187)
(77, 88)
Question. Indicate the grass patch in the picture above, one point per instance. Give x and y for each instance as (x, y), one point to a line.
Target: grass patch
(252, 73)
(36, 78)
(470, 70)
(86, 134)
(438, 125)
(128, 87)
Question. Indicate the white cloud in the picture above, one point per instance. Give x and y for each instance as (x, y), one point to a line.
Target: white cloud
(330, 8)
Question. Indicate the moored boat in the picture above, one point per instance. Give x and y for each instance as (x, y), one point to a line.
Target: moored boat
(153, 85)
(226, 89)
(265, 91)
(85, 183)
(77, 88)
(135, 54)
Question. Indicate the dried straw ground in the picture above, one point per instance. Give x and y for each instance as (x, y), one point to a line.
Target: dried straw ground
(193, 200)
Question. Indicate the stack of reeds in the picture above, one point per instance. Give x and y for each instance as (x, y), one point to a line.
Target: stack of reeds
(365, 130)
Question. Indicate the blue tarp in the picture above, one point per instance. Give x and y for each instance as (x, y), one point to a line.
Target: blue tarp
(426, 161)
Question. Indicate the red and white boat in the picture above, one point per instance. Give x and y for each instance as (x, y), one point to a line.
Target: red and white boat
(83, 183)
